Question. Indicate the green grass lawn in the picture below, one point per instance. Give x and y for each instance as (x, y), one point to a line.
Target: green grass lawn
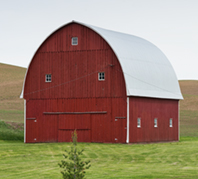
(162, 160)
(40, 160)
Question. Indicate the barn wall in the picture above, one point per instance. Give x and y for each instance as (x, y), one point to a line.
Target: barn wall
(96, 120)
(147, 109)
(74, 69)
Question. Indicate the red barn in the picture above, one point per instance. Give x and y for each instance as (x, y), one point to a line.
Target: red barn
(109, 86)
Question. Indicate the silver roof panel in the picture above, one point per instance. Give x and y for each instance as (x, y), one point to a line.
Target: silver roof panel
(147, 71)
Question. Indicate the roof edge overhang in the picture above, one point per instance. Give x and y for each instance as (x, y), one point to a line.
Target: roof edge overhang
(176, 97)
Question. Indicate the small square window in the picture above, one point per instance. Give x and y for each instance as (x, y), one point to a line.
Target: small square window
(171, 122)
(138, 122)
(155, 122)
(101, 76)
(48, 78)
(74, 40)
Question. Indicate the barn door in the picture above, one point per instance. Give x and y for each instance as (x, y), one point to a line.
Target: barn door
(69, 122)
(31, 130)
(120, 128)
(100, 128)
(31, 134)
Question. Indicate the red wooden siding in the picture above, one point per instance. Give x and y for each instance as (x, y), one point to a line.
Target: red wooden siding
(74, 69)
(147, 109)
(75, 76)
(91, 127)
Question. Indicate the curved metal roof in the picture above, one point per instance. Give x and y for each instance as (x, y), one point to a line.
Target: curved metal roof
(147, 71)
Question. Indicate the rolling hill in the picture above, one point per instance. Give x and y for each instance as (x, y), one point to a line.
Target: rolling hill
(11, 106)
(11, 81)
(189, 108)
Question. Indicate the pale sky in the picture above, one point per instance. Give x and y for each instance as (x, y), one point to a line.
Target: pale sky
(171, 25)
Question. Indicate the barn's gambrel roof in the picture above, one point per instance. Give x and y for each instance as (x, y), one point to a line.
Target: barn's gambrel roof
(147, 71)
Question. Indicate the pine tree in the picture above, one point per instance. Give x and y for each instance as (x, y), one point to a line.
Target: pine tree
(73, 166)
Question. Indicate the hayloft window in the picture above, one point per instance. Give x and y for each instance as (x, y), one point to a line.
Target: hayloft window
(155, 122)
(74, 40)
(138, 122)
(170, 122)
(101, 76)
(48, 78)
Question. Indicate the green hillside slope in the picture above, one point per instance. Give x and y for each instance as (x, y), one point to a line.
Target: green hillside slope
(11, 81)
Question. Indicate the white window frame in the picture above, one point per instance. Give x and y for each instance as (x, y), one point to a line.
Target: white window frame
(101, 76)
(155, 122)
(48, 78)
(171, 122)
(74, 41)
(138, 122)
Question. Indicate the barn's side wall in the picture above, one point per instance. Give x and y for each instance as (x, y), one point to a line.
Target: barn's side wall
(75, 91)
(148, 109)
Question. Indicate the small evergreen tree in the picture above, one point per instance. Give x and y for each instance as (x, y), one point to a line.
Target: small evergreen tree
(73, 166)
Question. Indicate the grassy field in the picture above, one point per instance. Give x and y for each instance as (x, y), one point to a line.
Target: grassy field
(109, 161)
(9, 132)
